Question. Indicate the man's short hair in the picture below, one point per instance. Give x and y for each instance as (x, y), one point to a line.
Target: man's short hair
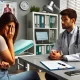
(71, 13)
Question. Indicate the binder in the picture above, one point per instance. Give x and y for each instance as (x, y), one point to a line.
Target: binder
(35, 20)
(50, 22)
(22, 45)
(52, 46)
(41, 21)
(47, 49)
(52, 36)
(53, 22)
(47, 22)
(37, 50)
(56, 65)
(40, 52)
(43, 49)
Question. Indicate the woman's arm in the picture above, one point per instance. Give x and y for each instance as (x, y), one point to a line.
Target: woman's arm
(4, 65)
(8, 53)
(11, 49)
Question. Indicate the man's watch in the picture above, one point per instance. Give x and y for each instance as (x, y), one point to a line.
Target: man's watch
(63, 58)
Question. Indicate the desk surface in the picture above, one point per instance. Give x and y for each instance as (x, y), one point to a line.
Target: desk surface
(35, 61)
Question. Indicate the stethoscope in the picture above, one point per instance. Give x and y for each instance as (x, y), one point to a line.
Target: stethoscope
(77, 37)
(76, 41)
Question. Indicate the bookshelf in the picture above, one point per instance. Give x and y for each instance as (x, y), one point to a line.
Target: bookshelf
(44, 23)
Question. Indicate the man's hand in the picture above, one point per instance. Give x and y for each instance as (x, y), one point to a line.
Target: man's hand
(4, 65)
(55, 55)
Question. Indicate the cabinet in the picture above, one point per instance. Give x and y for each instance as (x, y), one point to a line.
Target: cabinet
(42, 28)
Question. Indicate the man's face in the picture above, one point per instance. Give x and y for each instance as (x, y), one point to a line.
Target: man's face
(66, 22)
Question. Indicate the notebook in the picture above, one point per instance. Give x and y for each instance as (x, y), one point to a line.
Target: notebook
(56, 65)
(22, 45)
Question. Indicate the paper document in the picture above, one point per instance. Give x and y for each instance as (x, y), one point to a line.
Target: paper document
(56, 65)
(73, 57)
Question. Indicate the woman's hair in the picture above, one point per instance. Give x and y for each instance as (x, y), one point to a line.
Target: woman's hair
(5, 19)
(71, 13)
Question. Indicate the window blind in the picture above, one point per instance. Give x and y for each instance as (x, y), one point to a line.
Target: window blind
(63, 4)
(75, 4)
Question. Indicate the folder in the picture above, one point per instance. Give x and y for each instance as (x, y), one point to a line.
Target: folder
(56, 65)
(50, 22)
(22, 45)
(47, 22)
(47, 49)
(37, 50)
(42, 21)
(40, 52)
(35, 20)
(43, 49)
(53, 22)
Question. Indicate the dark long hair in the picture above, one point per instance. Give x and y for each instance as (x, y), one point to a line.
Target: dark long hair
(7, 18)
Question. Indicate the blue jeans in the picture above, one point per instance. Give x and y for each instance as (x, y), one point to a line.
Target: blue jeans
(27, 75)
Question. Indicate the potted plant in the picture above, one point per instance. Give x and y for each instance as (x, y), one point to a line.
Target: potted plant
(37, 9)
(33, 8)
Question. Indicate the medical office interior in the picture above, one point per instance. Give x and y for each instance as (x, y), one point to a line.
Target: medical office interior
(37, 23)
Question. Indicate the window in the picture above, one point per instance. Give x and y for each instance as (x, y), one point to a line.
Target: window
(74, 4)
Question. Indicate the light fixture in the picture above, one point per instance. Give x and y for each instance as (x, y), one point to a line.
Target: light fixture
(49, 8)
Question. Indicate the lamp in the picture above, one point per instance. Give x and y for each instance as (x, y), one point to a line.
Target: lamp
(49, 8)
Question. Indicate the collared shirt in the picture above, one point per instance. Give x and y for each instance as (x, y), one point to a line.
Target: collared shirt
(69, 35)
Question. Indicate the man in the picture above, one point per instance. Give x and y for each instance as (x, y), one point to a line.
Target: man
(69, 41)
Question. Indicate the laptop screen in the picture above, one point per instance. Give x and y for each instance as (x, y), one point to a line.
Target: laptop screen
(42, 36)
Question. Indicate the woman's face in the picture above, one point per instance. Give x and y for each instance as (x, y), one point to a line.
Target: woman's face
(10, 27)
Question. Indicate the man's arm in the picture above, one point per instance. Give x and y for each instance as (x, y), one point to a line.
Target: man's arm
(56, 51)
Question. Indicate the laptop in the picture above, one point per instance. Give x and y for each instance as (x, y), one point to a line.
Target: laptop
(42, 37)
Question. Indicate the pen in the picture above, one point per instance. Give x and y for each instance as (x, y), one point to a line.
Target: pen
(61, 64)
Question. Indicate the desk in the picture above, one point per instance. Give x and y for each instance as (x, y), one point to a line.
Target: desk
(22, 55)
(35, 61)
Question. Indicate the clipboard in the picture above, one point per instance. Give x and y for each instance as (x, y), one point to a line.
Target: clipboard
(56, 65)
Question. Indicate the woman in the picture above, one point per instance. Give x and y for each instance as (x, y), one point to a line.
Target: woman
(8, 33)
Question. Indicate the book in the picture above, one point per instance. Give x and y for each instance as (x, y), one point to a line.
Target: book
(56, 65)
(22, 45)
